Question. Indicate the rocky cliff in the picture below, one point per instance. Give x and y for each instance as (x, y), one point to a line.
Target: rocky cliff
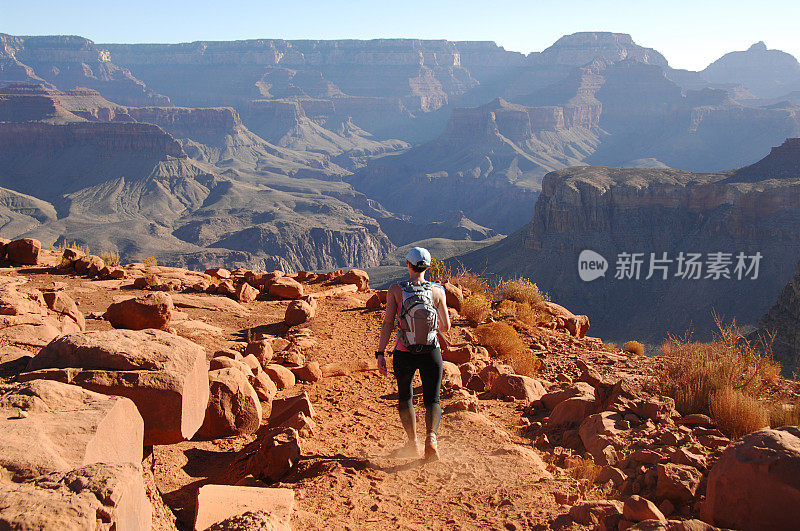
(767, 73)
(780, 326)
(612, 211)
(488, 163)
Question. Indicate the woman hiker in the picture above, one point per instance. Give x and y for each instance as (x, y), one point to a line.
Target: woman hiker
(419, 309)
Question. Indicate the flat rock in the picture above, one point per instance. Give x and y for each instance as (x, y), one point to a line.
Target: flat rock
(165, 375)
(216, 503)
(209, 302)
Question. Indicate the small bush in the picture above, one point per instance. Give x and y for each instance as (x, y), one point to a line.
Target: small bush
(111, 258)
(634, 347)
(784, 414)
(738, 414)
(476, 308)
(581, 468)
(506, 343)
(150, 261)
(694, 372)
(473, 282)
(521, 290)
(523, 311)
(439, 272)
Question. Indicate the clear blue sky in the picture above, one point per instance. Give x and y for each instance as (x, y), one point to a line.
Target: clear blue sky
(689, 33)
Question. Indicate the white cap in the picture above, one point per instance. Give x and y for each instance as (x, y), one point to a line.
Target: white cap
(419, 256)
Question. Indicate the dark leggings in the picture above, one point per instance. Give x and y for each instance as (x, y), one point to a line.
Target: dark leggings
(430, 370)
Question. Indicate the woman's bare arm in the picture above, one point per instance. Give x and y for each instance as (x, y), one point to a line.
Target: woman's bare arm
(389, 317)
(441, 309)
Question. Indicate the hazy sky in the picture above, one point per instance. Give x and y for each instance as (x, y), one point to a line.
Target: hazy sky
(690, 34)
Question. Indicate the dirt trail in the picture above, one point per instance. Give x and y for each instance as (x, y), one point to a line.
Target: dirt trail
(489, 477)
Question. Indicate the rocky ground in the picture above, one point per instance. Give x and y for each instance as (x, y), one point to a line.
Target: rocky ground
(271, 378)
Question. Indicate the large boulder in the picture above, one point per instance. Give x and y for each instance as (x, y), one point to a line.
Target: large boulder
(286, 288)
(165, 375)
(355, 276)
(298, 312)
(233, 405)
(577, 325)
(54, 427)
(246, 293)
(153, 310)
(454, 297)
(518, 386)
(74, 455)
(677, 483)
(598, 431)
(25, 251)
(61, 303)
(755, 484)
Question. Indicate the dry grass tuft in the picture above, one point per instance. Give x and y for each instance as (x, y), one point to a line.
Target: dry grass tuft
(439, 272)
(505, 341)
(738, 414)
(634, 347)
(695, 374)
(527, 314)
(111, 258)
(150, 261)
(784, 414)
(521, 290)
(473, 282)
(581, 468)
(476, 308)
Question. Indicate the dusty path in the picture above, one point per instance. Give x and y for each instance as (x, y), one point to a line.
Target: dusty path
(489, 477)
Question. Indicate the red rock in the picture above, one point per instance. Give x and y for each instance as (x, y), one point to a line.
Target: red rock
(677, 483)
(577, 325)
(572, 411)
(222, 362)
(96, 496)
(310, 372)
(754, 484)
(453, 296)
(579, 389)
(273, 455)
(343, 368)
(298, 312)
(153, 310)
(246, 293)
(60, 302)
(218, 503)
(637, 509)
(355, 276)
(22, 301)
(597, 431)
(226, 289)
(593, 512)
(165, 375)
(286, 288)
(95, 265)
(458, 355)
(251, 361)
(304, 425)
(70, 255)
(117, 273)
(491, 372)
(219, 272)
(262, 350)
(476, 383)
(382, 294)
(265, 389)
(612, 474)
(283, 377)
(518, 386)
(65, 427)
(697, 419)
(374, 302)
(285, 408)
(25, 251)
(233, 406)
(451, 375)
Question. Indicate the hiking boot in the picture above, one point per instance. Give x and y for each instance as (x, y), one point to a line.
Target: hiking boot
(431, 448)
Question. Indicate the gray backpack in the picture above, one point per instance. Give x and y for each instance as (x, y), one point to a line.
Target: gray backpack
(418, 317)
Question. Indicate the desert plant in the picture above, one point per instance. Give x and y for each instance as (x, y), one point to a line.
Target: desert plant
(473, 282)
(520, 290)
(476, 308)
(150, 261)
(693, 372)
(738, 414)
(781, 414)
(581, 468)
(439, 271)
(504, 341)
(634, 347)
(111, 258)
(526, 313)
